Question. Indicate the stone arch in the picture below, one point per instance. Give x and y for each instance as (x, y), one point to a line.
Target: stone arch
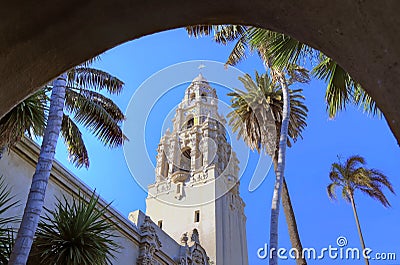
(361, 35)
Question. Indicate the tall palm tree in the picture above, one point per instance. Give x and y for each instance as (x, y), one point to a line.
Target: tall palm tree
(76, 232)
(353, 175)
(225, 33)
(73, 93)
(40, 178)
(257, 117)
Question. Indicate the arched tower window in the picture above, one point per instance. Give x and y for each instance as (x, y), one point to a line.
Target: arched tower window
(204, 96)
(190, 123)
(185, 158)
(192, 96)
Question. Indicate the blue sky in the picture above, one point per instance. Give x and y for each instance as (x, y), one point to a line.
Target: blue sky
(320, 220)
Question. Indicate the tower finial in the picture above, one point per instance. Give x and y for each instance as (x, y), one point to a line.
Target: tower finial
(201, 66)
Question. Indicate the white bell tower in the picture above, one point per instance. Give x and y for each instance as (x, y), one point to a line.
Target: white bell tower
(196, 192)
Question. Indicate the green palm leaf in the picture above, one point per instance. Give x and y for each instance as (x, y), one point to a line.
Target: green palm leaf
(339, 84)
(251, 107)
(7, 202)
(200, 30)
(93, 79)
(106, 103)
(28, 117)
(93, 115)
(283, 51)
(238, 52)
(353, 175)
(228, 33)
(77, 152)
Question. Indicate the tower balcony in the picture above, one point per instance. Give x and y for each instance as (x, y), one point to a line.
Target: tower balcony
(180, 176)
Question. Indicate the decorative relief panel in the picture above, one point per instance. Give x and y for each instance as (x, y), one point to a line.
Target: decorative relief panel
(149, 244)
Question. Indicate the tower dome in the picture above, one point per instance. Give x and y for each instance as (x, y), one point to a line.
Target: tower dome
(199, 78)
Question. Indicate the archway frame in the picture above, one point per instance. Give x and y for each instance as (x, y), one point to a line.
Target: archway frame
(40, 41)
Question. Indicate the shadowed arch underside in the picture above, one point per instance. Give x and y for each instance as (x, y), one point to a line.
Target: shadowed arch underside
(38, 41)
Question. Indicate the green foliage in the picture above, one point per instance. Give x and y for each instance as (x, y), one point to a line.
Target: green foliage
(84, 105)
(28, 117)
(282, 51)
(97, 113)
(341, 88)
(6, 231)
(261, 105)
(76, 232)
(353, 175)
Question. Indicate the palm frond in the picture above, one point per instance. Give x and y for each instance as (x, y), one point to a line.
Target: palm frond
(257, 112)
(377, 176)
(91, 61)
(91, 114)
(7, 202)
(28, 117)
(94, 79)
(106, 103)
(199, 30)
(238, 52)
(77, 152)
(338, 91)
(376, 194)
(228, 33)
(331, 190)
(297, 74)
(365, 102)
(353, 161)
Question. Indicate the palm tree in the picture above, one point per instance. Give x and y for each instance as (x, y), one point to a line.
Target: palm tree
(73, 93)
(257, 118)
(225, 33)
(83, 105)
(353, 175)
(75, 233)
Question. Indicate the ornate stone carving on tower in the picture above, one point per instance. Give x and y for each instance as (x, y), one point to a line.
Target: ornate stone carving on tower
(196, 187)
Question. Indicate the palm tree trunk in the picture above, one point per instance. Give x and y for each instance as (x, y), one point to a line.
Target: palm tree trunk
(292, 224)
(291, 219)
(358, 227)
(35, 202)
(273, 243)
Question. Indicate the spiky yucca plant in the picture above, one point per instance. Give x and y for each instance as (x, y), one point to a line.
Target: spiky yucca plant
(76, 232)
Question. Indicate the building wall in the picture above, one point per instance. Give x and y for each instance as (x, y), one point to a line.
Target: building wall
(18, 166)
